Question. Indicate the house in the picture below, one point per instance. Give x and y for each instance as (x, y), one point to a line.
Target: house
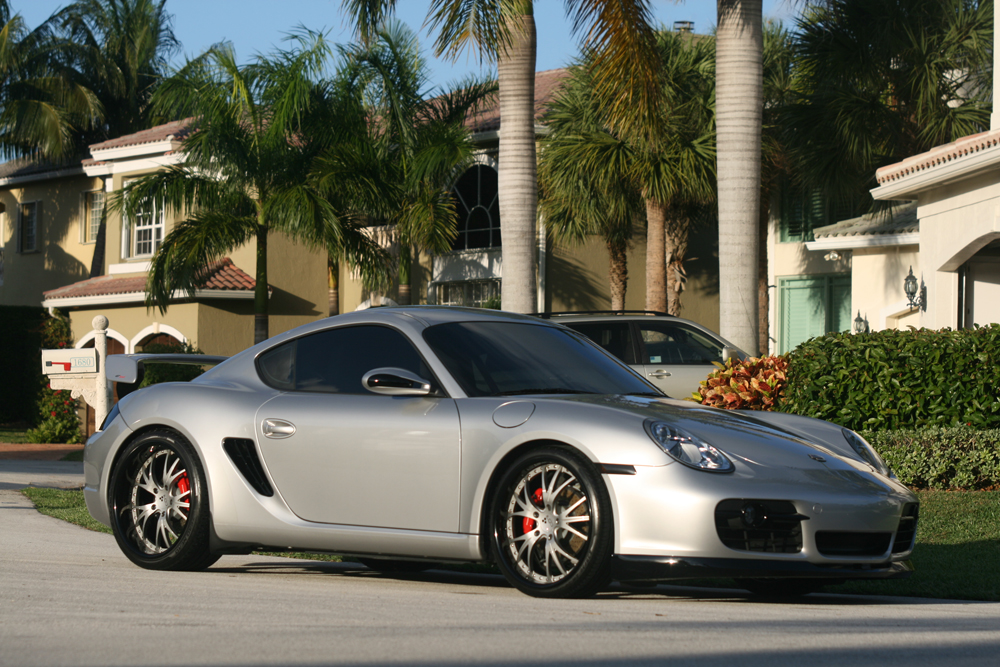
(64, 247)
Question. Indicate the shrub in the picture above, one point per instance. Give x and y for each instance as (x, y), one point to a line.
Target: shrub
(157, 373)
(58, 418)
(941, 458)
(898, 379)
(750, 384)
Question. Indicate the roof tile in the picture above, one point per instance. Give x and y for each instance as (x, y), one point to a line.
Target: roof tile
(219, 275)
(939, 155)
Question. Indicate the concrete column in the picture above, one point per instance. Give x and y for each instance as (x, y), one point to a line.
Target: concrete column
(102, 398)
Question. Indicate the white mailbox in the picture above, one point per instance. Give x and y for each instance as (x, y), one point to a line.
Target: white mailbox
(80, 370)
(70, 362)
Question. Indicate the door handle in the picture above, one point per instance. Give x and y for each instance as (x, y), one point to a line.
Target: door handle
(659, 374)
(277, 428)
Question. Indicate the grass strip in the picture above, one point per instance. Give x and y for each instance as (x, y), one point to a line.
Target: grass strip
(958, 545)
(14, 433)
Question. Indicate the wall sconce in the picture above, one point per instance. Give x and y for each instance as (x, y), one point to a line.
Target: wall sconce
(913, 299)
(860, 324)
(832, 256)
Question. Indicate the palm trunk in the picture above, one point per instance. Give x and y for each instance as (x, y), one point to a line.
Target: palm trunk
(518, 179)
(739, 106)
(675, 243)
(260, 318)
(617, 273)
(656, 294)
(763, 296)
(404, 275)
(332, 287)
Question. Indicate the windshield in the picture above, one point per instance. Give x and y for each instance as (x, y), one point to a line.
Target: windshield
(510, 358)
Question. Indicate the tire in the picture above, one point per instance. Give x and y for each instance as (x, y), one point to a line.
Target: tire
(159, 504)
(550, 525)
(784, 588)
(394, 566)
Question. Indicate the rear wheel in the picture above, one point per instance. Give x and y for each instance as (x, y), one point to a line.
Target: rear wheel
(159, 504)
(551, 526)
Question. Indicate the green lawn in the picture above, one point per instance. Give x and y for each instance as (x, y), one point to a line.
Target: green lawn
(957, 554)
(14, 433)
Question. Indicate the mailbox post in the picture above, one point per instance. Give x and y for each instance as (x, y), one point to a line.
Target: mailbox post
(81, 371)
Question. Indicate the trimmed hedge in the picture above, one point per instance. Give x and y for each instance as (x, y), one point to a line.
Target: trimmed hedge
(898, 379)
(941, 458)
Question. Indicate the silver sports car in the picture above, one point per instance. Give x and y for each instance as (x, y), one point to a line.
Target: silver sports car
(413, 436)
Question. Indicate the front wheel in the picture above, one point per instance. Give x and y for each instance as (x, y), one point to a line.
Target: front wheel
(551, 525)
(159, 504)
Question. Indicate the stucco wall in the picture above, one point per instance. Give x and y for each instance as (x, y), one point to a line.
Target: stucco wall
(877, 285)
(61, 257)
(956, 221)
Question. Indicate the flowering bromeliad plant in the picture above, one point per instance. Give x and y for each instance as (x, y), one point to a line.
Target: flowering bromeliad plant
(755, 383)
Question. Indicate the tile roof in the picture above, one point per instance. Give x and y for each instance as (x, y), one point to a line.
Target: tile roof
(547, 84)
(220, 275)
(178, 129)
(24, 166)
(902, 220)
(939, 155)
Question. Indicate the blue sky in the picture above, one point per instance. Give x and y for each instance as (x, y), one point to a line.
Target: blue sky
(257, 25)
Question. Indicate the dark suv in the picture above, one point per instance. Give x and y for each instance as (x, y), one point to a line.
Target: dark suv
(673, 353)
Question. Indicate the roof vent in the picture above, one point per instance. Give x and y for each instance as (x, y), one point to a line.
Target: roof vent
(684, 26)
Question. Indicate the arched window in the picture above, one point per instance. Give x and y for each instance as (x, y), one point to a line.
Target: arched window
(478, 209)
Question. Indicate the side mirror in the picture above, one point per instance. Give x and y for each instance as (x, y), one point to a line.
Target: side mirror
(728, 353)
(395, 382)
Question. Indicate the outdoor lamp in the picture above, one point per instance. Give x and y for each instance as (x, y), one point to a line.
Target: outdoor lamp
(910, 287)
(860, 326)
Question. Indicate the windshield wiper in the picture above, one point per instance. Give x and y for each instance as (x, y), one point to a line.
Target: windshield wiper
(544, 390)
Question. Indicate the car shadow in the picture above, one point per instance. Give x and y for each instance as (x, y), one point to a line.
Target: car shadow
(616, 591)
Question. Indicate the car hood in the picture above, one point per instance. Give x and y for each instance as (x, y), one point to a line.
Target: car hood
(763, 441)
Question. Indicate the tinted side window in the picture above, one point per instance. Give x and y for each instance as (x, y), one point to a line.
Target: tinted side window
(615, 337)
(333, 361)
(674, 344)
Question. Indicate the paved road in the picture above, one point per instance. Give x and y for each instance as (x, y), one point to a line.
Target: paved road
(19, 473)
(68, 597)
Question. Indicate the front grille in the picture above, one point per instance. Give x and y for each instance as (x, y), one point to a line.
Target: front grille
(771, 526)
(907, 529)
(244, 456)
(847, 543)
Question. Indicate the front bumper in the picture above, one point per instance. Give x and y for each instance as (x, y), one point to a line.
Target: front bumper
(666, 568)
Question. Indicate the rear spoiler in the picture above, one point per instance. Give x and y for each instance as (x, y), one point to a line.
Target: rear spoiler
(127, 369)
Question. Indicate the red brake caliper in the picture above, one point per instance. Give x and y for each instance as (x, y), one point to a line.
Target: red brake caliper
(527, 524)
(183, 485)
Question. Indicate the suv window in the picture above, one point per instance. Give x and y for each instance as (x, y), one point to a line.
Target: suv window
(333, 361)
(615, 337)
(676, 344)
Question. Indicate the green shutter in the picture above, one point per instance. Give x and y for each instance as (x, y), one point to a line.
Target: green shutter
(812, 306)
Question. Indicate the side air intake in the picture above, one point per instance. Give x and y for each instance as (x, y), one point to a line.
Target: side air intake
(243, 454)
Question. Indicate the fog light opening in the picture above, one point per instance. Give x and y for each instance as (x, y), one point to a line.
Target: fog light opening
(753, 515)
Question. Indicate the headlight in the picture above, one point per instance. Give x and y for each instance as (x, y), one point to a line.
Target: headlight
(686, 448)
(866, 452)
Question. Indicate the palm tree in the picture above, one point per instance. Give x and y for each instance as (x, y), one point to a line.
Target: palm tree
(739, 109)
(39, 109)
(119, 50)
(671, 177)
(419, 137)
(881, 80)
(261, 132)
(504, 31)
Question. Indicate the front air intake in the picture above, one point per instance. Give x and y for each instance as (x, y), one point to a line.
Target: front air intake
(848, 543)
(907, 530)
(769, 526)
(243, 454)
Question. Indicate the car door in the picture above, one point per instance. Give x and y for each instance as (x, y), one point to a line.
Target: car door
(675, 356)
(340, 454)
